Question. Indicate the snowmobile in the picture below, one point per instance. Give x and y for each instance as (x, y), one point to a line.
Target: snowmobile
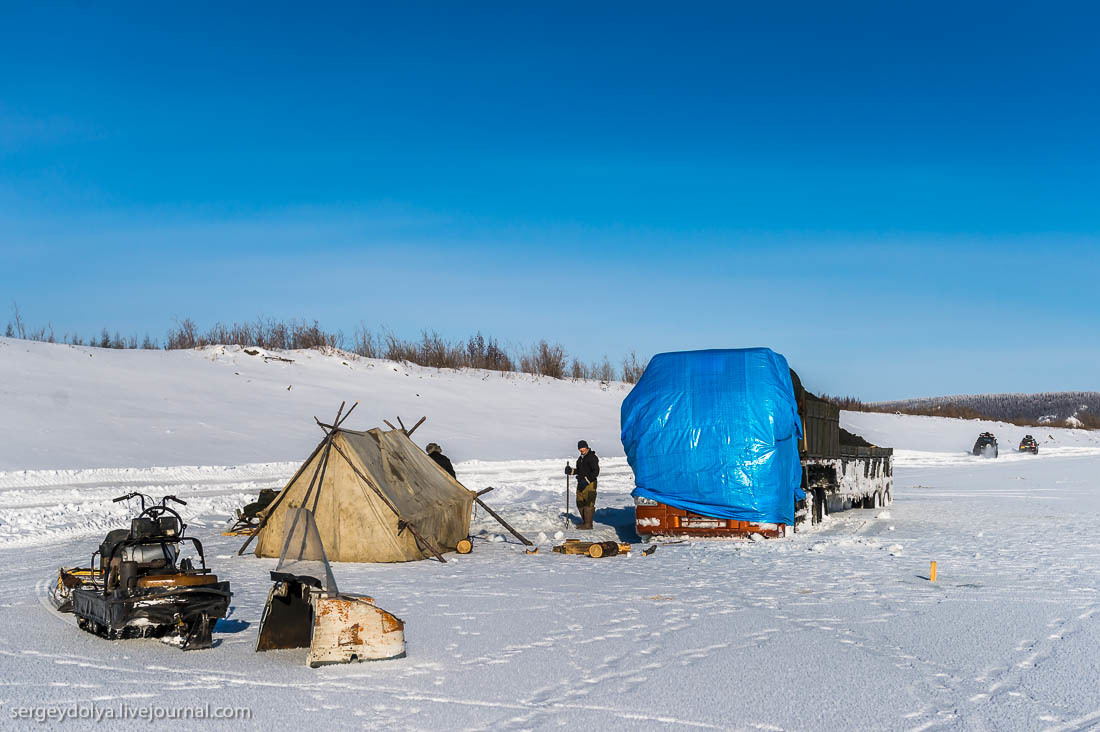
(1029, 444)
(141, 588)
(248, 518)
(985, 445)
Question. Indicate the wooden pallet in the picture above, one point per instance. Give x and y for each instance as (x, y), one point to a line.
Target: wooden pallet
(592, 548)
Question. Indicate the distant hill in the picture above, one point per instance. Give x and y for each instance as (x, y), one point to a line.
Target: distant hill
(1062, 408)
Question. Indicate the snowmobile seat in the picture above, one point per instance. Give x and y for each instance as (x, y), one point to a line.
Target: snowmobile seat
(114, 538)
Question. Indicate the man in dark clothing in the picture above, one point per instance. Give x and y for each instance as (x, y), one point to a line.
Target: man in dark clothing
(435, 452)
(588, 467)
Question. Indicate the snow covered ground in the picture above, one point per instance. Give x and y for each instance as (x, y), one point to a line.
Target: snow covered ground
(834, 628)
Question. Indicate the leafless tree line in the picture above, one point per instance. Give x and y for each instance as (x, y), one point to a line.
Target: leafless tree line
(1022, 410)
(430, 349)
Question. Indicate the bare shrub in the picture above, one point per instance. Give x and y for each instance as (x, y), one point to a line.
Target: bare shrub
(19, 330)
(544, 359)
(367, 344)
(633, 368)
(603, 370)
(184, 335)
(485, 353)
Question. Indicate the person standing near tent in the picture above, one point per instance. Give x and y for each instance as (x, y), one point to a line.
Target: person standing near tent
(588, 467)
(435, 452)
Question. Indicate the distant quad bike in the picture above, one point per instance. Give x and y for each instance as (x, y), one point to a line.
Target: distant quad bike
(141, 588)
(1028, 444)
(985, 445)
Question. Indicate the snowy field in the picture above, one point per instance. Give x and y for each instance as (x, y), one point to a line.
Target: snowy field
(834, 628)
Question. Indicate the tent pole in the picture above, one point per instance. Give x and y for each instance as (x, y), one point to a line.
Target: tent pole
(413, 429)
(503, 523)
(322, 466)
(282, 494)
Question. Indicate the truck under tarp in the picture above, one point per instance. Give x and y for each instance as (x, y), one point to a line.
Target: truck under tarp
(716, 433)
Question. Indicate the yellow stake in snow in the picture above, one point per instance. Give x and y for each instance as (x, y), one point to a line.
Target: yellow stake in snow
(932, 572)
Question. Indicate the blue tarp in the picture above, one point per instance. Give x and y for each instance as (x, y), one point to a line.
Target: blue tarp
(716, 432)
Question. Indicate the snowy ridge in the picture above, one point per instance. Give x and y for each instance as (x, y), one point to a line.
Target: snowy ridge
(82, 407)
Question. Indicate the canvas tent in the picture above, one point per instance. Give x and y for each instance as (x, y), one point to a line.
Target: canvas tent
(376, 497)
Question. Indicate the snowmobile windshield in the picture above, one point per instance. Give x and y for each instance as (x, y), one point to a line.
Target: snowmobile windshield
(303, 554)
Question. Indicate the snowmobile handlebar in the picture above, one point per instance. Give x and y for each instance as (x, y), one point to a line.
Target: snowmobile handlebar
(135, 494)
(148, 500)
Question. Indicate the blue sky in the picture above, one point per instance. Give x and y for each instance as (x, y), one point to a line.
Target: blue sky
(903, 198)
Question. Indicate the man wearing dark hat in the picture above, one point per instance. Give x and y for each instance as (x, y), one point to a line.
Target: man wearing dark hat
(588, 467)
(435, 452)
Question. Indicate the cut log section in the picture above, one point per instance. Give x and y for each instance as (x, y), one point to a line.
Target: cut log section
(592, 548)
(605, 549)
(465, 546)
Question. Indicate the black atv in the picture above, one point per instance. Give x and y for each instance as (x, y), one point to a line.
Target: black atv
(141, 588)
(1028, 444)
(985, 445)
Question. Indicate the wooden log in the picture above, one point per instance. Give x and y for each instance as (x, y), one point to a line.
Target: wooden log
(389, 424)
(483, 491)
(416, 425)
(465, 546)
(576, 546)
(603, 549)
